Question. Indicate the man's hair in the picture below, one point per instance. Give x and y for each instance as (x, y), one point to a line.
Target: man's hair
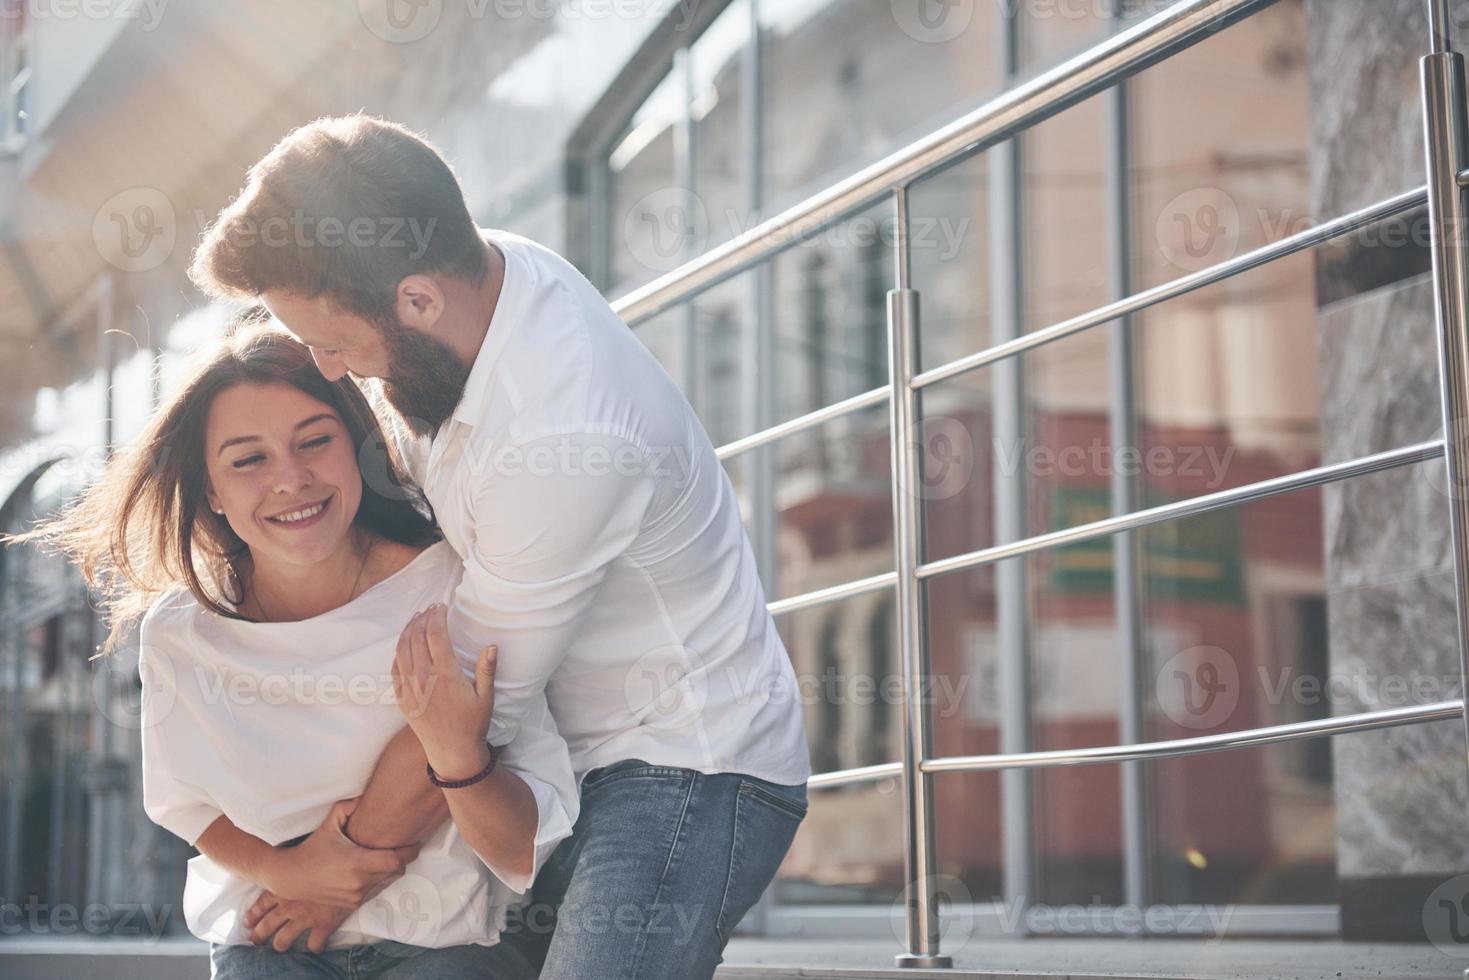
(344, 207)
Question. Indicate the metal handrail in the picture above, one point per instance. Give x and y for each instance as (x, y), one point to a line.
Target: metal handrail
(834, 593)
(1120, 56)
(1330, 473)
(1364, 721)
(1311, 237)
(1178, 287)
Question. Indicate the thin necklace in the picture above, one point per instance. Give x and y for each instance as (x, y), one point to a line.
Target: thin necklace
(350, 596)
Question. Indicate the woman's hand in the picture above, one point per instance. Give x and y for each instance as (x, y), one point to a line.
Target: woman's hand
(279, 922)
(449, 714)
(329, 869)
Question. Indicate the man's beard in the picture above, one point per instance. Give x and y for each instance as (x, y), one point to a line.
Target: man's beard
(427, 379)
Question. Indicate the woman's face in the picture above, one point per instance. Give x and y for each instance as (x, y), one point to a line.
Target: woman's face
(283, 470)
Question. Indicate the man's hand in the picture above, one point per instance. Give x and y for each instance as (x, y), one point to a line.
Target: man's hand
(279, 922)
(329, 869)
(449, 715)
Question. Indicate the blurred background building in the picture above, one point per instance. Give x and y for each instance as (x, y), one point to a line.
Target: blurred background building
(634, 135)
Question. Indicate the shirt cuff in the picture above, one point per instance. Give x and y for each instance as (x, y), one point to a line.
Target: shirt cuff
(188, 822)
(553, 825)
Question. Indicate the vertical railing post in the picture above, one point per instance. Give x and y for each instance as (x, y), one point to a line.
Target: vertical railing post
(1446, 140)
(922, 921)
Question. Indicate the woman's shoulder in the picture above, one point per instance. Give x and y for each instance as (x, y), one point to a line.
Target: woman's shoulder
(170, 621)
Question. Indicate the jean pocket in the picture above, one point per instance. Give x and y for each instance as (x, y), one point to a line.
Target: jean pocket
(788, 800)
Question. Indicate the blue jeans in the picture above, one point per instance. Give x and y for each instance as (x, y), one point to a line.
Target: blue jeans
(661, 866)
(388, 960)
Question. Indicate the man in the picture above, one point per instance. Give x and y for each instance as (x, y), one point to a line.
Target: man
(601, 538)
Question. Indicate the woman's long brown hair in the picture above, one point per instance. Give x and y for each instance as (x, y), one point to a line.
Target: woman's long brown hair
(145, 526)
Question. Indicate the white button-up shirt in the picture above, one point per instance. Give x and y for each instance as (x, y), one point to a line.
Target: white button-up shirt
(602, 543)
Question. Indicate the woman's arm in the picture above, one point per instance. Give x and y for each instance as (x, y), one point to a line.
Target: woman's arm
(326, 868)
(399, 806)
(498, 816)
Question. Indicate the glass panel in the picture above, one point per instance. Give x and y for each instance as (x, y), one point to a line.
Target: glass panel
(1065, 234)
(651, 219)
(721, 147)
(1220, 146)
(965, 710)
(835, 61)
(830, 314)
(1053, 30)
(850, 848)
(833, 498)
(949, 225)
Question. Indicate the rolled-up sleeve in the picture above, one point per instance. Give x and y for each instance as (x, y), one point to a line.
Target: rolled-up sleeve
(539, 757)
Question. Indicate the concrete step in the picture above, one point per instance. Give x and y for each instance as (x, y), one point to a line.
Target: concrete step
(27, 958)
(1100, 959)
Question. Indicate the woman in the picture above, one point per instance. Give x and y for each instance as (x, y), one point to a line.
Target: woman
(272, 580)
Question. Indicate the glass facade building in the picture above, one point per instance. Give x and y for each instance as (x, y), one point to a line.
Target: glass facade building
(1271, 405)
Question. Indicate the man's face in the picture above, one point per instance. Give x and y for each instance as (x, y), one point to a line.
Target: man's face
(421, 375)
(340, 342)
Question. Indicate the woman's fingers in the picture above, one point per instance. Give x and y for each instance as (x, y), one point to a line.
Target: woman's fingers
(436, 635)
(418, 648)
(267, 926)
(484, 672)
(257, 911)
(285, 937)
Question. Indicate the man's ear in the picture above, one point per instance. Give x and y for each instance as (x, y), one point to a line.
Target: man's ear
(420, 302)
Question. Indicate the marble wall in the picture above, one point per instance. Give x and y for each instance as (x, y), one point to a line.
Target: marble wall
(1402, 795)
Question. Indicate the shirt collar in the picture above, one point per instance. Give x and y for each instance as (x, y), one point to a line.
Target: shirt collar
(474, 403)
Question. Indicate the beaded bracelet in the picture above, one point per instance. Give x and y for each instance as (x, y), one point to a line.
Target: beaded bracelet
(434, 777)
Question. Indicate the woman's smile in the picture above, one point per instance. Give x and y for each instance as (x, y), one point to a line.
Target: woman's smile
(303, 517)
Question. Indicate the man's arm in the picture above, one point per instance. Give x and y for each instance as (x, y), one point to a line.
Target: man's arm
(544, 541)
(399, 806)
